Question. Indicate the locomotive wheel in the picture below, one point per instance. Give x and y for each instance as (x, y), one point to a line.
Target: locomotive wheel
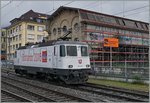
(64, 79)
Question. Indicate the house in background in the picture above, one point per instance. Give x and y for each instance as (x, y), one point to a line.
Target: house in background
(28, 28)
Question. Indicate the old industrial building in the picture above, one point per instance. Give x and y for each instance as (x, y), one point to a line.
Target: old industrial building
(131, 53)
(28, 28)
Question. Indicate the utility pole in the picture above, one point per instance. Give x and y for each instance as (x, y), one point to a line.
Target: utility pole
(126, 75)
(111, 57)
(8, 38)
(9, 46)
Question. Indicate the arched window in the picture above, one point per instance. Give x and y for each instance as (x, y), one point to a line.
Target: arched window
(54, 31)
(59, 30)
(76, 27)
(64, 29)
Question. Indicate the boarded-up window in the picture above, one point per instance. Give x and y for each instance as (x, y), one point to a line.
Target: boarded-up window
(130, 23)
(99, 18)
(84, 16)
(113, 20)
(144, 26)
(147, 26)
(139, 25)
(109, 20)
(91, 16)
(121, 22)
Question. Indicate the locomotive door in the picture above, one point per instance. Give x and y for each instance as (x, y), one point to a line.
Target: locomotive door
(55, 57)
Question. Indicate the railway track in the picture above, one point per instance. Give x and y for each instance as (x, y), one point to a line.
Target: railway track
(75, 94)
(44, 94)
(26, 93)
(117, 94)
(8, 96)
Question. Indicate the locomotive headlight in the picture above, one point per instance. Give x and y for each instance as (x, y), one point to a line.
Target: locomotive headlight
(70, 66)
(87, 65)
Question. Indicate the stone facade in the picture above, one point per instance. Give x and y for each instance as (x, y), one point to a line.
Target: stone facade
(64, 21)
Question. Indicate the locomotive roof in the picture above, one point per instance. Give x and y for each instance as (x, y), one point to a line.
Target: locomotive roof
(50, 43)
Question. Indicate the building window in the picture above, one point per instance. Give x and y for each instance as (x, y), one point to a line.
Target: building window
(10, 47)
(13, 38)
(19, 44)
(39, 38)
(64, 29)
(16, 46)
(10, 40)
(3, 33)
(30, 37)
(39, 20)
(19, 36)
(13, 47)
(19, 27)
(30, 27)
(121, 22)
(40, 28)
(13, 30)
(91, 16)
(129, 23)
(76, 27)
(147, 26)
(4, 39)
(31, 18)
(84, 16)
(2, 45)
(8, 32)
(54, 31)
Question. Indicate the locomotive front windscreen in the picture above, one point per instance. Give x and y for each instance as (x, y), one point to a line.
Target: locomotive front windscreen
(71, 51)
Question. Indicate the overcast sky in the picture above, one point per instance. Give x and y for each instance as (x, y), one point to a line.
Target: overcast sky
(137, 10)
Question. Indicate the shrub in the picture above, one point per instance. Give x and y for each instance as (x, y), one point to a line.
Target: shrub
(137, 79)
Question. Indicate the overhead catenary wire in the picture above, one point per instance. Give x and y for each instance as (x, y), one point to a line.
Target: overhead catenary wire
(132, 9)
(137, 13)
(61, 5)
(56, 8)
(88, 6)
(14, 8)
(123, 8)
(10, 1)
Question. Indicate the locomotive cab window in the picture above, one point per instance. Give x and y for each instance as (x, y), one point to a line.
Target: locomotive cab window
(54, 51)
(84, 51)
(71, 51)
(62, 51)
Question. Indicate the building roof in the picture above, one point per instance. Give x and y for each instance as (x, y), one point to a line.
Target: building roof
(97, 18)
(30, 16)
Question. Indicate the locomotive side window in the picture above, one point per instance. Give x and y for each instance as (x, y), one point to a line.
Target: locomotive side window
(84, 51)
(71, 51)
(62, 51)
(54, 51)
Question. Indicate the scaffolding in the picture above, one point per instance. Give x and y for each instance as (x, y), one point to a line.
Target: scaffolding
(128, 60)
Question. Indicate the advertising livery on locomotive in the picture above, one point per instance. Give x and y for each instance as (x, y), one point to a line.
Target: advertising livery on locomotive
(67, 61)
